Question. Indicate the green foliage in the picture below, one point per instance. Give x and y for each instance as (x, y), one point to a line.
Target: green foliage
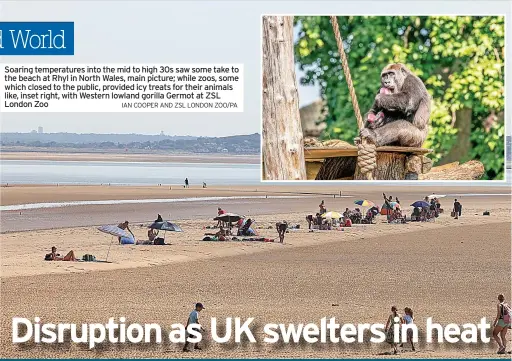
(460, 59)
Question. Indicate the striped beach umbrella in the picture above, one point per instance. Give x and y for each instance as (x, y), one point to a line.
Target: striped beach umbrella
(364, 203)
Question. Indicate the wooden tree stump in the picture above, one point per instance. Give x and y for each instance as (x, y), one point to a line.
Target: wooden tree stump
(390, 166)
(283, 146)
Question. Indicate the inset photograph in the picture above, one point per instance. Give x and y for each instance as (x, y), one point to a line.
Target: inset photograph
(383, 98)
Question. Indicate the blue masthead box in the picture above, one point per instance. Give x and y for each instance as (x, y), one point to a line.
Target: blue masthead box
(37, 38)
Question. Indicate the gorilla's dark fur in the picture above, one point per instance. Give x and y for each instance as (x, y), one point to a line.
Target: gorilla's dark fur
(406, 110)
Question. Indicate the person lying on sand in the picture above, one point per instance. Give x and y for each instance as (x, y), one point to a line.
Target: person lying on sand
(222, 232)
(54, 256)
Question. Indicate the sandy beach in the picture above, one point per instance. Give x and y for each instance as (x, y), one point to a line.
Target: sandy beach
(451, 269)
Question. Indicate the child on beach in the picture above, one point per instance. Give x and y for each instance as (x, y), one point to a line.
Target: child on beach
(502, 324)
(193, 318)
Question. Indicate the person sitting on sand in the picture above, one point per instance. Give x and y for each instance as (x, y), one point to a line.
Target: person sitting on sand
(416, 214)
(347, 213)
(152, 234)
(245, 230)
(502, 323)
(124, 226)
(54, 256)
(393, 319)
(221, 232)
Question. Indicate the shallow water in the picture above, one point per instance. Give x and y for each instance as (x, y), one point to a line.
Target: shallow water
(126, 173)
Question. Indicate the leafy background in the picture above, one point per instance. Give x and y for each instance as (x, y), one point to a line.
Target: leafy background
(459, 58)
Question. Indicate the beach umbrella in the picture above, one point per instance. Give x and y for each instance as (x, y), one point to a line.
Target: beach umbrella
(229, 217)
(114, 231)
(332, 215)
(436, 196)
(364, 203)
(420, 204)
(392, 204)
(166, 226)
(385, 207)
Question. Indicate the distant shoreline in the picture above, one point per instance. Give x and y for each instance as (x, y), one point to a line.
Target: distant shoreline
(130, 157)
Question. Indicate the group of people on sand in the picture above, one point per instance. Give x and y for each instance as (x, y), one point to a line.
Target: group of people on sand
(395, 318)
(501, 325)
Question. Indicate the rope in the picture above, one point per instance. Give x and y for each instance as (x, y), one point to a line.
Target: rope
(367, 156)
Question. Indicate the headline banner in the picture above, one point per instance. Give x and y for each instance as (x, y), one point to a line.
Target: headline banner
(37, 38)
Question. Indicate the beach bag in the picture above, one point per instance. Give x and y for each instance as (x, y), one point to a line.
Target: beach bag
(506, 311)
(48, 257)
(452, 214)
(88, 258)
(159, 241)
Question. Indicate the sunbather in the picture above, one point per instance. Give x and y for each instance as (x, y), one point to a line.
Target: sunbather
(54, 256)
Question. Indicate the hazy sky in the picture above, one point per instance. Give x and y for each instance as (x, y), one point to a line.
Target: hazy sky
(185, 32)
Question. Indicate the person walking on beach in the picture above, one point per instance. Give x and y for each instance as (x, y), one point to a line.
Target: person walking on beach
(408, 319)
(193, 318)
(322, 208)
(502, 324)
(457, 209)
(393, 319)
(186, 182)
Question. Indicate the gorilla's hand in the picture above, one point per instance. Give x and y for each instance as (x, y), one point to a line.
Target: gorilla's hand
(368, 134)
(375, 120)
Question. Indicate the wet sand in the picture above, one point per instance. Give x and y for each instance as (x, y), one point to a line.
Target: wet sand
(115, 157)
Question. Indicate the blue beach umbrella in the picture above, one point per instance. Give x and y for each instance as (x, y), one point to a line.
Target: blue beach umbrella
(420, 204)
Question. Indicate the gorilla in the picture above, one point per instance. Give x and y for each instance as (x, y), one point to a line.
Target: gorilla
(401, 111)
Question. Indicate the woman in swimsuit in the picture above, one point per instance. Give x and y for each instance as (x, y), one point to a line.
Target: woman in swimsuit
(501, 324)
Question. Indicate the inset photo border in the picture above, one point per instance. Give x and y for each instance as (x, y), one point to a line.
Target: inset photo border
(383, 98)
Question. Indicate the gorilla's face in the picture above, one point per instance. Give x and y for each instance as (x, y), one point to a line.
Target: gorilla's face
(392, 79)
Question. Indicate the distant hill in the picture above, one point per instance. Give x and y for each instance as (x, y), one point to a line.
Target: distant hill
(236, 144)
(74, 138)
